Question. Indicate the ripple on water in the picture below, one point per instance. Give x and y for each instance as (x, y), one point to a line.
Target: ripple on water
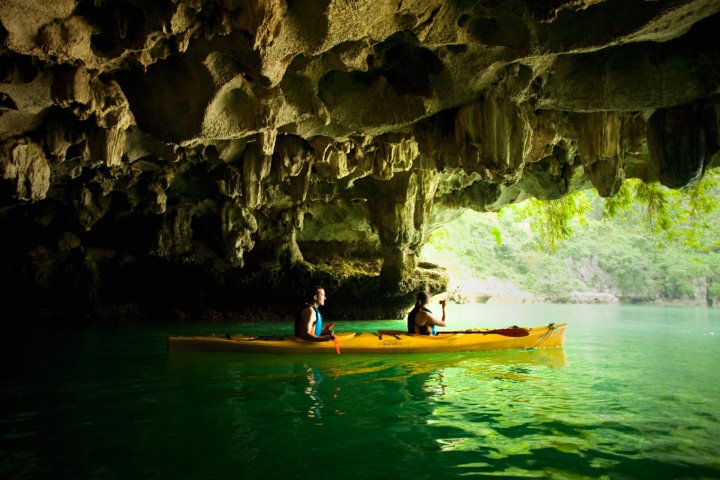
(634, 394)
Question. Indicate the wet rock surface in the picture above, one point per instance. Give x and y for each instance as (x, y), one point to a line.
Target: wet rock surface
(215, 158)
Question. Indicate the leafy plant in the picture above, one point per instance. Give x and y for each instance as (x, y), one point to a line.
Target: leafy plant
(554, 220)
(593, 244)
(670, 215)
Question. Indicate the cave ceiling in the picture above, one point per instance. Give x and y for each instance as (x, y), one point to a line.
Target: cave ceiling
(275, 129)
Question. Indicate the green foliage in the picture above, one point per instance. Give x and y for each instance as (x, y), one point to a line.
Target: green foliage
(438, 238)
(495, 232)
(669, 215)
(594, 244)
(547, 276)
(554, 220)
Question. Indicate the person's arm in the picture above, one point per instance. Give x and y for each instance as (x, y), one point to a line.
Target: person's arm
(309, 318)
(440, 322)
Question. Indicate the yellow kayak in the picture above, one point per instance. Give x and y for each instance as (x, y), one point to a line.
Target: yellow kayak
(382, 341)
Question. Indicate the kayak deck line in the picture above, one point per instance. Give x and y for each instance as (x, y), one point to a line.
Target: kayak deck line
(382, 341)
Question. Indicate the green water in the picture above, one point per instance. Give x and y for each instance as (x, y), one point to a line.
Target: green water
(635, 393)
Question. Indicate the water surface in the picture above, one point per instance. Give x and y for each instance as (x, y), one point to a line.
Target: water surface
(635, 393)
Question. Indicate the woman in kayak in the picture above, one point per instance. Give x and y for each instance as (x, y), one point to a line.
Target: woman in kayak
(421, 320)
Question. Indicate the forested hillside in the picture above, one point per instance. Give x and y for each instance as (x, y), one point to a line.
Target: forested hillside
(659, 253)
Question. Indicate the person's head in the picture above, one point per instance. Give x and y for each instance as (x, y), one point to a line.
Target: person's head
(316, 295)
(423, 298)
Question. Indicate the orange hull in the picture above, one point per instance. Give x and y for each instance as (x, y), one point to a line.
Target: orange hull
(374, 342)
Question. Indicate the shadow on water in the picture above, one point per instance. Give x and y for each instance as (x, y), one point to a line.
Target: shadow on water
(630, 396)
(355, 410)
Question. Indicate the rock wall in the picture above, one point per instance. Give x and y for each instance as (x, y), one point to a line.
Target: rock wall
(174, 152)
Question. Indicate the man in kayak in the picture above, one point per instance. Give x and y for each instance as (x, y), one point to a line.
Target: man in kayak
(309, 322)
(421, 320)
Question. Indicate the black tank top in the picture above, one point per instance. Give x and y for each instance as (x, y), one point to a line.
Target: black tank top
(424, 330)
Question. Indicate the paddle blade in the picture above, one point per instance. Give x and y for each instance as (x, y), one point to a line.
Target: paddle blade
(510, 332)
(337, 344)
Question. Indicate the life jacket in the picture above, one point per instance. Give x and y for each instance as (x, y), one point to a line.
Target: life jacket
(301, 328)
(424, 330)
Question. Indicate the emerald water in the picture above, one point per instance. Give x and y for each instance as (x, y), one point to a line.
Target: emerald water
(635, 393)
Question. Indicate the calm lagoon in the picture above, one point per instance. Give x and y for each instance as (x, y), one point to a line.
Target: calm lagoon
(635, 393)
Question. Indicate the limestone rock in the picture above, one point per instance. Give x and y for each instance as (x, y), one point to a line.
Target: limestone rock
(244, 137)
(27, 168)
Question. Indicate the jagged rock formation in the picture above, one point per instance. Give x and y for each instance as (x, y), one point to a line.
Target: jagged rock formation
(213, 141)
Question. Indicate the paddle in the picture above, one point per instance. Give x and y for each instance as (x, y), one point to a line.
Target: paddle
(328, 330)
(507, 332)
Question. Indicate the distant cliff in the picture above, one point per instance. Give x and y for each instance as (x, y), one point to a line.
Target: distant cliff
(603, 262)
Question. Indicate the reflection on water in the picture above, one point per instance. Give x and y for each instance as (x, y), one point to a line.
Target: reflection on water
(435, 384)
(634, 394)
(315, 378)
(481, 405)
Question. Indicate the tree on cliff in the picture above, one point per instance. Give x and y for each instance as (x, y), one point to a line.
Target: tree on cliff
(583, 243)
(667, 215)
